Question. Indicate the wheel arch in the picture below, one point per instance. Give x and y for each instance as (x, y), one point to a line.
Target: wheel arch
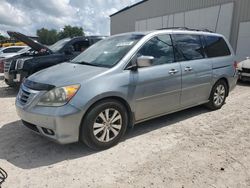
(227, 83)
(117, 98)
(224, 78)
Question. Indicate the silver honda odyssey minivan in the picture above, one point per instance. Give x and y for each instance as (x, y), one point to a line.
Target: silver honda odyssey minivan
(126, 79)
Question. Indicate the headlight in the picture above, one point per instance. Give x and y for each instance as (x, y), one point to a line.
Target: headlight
(59, 96)
(19, 63)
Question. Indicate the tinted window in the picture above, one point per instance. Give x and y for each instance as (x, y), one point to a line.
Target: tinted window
(188, 47)
(12, 50)
(81, 46)
(160, 48)
(94, 40)
(216, 46)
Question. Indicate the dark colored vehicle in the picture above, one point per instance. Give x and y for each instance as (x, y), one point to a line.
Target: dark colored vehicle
(1, 66)
(41, 56)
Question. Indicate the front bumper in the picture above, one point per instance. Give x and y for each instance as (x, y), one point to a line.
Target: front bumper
(61, 124)
(14, 76)
(244, 76)
(9, 78)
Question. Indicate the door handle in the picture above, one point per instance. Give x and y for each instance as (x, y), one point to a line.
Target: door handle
(188, 69)
(173, 71)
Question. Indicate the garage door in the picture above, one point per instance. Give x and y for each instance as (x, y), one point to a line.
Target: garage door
(243, 46)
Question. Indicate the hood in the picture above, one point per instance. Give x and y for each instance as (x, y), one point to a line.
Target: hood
(30, 42)
(245, 64)
(66, 74)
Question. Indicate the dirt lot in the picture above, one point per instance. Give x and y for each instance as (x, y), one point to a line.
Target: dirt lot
(192, 148)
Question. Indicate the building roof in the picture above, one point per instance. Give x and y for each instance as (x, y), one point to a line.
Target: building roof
(128, 7)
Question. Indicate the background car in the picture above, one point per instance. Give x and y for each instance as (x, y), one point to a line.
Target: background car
(42, 56)
(244, 70)
(6, 61)
(1, 66)
(10, 51)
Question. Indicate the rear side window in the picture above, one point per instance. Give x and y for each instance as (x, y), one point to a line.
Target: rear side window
(188, 47)
(216, 46)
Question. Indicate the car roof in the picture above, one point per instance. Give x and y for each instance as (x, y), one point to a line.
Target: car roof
(175, 31)
(87, 37)
(13, 47)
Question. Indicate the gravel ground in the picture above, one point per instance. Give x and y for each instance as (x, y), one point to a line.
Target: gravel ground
(192, 148)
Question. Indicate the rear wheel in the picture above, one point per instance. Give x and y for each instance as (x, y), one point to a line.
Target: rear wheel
(104, 124)
(218, 95)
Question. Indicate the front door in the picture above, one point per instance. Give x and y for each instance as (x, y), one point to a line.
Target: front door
(158, 87)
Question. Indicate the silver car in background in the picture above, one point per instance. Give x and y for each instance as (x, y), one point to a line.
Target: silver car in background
(126, 79)
(244, 70)
(11, 51)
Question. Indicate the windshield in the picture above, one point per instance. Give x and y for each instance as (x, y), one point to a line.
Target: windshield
(59, 44)
(26, 49)
(108, 52)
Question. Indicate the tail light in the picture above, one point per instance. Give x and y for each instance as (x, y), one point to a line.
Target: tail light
(236, 65)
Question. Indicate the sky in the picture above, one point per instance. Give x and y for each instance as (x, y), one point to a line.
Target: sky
(26, 16)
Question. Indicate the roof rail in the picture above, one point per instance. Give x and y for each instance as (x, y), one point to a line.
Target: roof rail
(186, 28)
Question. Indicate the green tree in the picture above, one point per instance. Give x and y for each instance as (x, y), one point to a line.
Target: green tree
(69, 31)
(49, 37)
(2, 37)
(46, 36)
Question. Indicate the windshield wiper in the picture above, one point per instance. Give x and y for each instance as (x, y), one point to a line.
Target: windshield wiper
(83, 63)
(90, 64)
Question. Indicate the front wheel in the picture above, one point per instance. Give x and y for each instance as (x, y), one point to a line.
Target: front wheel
(104, 124)
(218, 95)
(10, 84)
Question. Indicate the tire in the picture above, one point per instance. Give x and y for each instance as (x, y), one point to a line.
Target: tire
(99, 132)
(218, 95)
(10, 84)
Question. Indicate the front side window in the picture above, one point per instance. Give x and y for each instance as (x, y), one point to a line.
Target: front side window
(81, 46)
(108, 52)
(188, 47)
(216, 47)
(160, 48)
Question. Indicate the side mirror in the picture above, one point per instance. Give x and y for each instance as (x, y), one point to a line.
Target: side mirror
(145, 61)
(69, 50)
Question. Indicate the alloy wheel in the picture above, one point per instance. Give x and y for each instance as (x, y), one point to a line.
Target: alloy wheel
(107, 125)
(219, 95)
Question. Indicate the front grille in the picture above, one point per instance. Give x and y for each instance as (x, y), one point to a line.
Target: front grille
(245, 70)
(7, 65)
(23, 96)
(30, 126)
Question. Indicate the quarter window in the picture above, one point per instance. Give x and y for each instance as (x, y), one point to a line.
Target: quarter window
(160, 48)
(188, 47)
(216, 47)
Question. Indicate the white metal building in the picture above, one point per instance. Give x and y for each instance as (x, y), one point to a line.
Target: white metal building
(228, 17)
